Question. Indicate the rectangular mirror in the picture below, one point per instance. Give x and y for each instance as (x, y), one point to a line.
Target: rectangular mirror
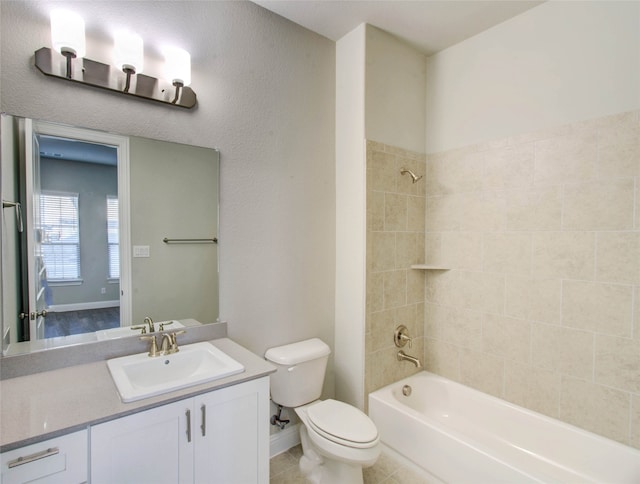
(100, 231)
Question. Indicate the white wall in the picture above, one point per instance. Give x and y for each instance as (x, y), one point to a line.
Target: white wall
(557, 63)
(350, 217)
(265, 91)
(394, 91)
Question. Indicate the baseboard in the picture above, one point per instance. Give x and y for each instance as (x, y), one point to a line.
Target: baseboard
(283, 440)
(61, 308)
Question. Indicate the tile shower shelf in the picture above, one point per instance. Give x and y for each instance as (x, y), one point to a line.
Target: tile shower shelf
(427, 267)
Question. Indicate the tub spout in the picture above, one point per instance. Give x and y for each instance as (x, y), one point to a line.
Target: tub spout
(403, 356)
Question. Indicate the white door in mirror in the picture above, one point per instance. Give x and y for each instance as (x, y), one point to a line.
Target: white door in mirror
(141, 376)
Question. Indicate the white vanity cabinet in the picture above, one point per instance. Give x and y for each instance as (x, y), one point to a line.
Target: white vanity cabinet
(61, 460)
(218, 437)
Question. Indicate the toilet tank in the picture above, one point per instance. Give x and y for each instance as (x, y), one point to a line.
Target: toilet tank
(300, 372)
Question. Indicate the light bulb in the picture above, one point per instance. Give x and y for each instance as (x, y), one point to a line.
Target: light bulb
(177, 66)
(128, 51)
(67, 33)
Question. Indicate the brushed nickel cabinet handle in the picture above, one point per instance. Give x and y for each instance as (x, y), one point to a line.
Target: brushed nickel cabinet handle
(203, 427)
(188, 413)
(33, 457)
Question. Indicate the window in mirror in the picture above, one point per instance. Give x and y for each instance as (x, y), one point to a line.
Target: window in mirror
(60, 233)
(113, 238)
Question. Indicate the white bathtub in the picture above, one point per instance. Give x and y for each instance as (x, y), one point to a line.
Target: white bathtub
(461, 435)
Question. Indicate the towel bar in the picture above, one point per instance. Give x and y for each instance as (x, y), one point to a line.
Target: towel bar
(190, 241)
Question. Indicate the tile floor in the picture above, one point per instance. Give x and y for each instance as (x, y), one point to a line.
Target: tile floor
(390, 469)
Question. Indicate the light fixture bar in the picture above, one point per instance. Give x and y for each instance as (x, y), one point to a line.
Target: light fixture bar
(97, 74)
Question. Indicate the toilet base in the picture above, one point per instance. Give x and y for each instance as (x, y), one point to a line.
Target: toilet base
(320, 470)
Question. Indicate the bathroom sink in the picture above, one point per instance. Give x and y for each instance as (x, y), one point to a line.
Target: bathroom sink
(141, 376)
(124, 331)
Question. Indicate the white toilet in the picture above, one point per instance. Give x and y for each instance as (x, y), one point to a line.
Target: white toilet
(338, 440)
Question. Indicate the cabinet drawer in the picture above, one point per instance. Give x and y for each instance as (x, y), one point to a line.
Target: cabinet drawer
(62, 460)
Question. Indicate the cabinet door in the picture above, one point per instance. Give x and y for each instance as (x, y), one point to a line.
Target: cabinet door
(232, 443)
(62, 460)
(154, 446)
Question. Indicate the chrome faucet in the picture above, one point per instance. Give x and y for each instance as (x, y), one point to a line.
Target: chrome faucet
(403, 356)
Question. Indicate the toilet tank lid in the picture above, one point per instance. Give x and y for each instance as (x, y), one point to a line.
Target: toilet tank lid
(299, 352)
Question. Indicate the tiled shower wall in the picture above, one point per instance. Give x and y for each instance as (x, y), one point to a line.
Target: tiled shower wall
(395, 241)
(541, 305)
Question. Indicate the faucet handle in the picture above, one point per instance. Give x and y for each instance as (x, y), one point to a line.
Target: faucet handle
(143, 328)
(165, 323)
(401, 336)
(174, 340)
(153, 348)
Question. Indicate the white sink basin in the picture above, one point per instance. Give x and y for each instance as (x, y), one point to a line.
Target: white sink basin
(124, 331)
(142, 376)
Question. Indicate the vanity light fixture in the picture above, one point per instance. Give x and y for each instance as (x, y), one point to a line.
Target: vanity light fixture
(178, 68)
(67, 36)
(68, 42)
(128, 52)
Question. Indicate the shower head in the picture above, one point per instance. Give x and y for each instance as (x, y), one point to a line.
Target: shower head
(414, 177)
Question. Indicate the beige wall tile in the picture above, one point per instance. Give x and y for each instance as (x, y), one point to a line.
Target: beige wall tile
(507, 337)
(395, 289)
(461, 250)
(375, 292)
(415, 286)
(535, 209)
(567, 158)
(375, 210)
(383, 251)
(481, 291)
(441, 287)
(601, 205)
(636, 329)
(455, 326)
(618, 362)
(442, 358)
(395, 212)
(605, 308)
(407, 249)
(415, 214)
(508, 252)
(602, 410)
(533, 388)
(443, 213)
(618, 257)
(564, 350)
(509, 167)
(482, 211)
(454, 172)
(481, 371)
(563, 255)
(381, 171)
(619, 147)
(533, 299)
(407, 315)
(635, 421)
(432, 246)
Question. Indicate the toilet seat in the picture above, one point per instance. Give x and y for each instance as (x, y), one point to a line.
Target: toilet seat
(343, 424)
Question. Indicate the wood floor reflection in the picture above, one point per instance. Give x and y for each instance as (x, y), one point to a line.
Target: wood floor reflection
(78, 322)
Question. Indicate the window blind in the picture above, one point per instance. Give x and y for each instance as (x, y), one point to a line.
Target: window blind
(60, 232)
(113, 238)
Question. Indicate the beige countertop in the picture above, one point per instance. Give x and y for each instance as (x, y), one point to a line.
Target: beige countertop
(48, 404)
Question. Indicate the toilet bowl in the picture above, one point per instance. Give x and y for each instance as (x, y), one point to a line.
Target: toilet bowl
(338, 440)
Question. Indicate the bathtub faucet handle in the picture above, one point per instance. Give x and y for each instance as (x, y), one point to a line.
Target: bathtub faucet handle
(401, 336)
